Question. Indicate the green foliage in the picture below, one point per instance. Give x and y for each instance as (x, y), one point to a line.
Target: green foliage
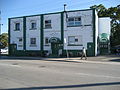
(114, 14)
(4, 39)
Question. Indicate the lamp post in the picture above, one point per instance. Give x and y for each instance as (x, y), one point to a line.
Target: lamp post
(65, 39)
(65, 7)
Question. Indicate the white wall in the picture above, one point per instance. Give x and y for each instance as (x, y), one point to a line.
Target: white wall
(55, 31)
(35, 33)
(96, 33)
(14, 35)
(104, 25)
(85, 31)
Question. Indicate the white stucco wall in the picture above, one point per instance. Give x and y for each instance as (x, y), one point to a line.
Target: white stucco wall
(55, 31)
(14, 35)
(33, 33)
(104, 25)
(96, 34)
(85, 31)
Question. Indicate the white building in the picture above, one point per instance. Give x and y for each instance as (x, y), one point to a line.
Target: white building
(55, 33)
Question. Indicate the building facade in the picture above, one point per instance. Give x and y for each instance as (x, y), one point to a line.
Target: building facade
(59, 34)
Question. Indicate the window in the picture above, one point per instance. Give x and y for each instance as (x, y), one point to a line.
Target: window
(17, 26)
(48, 24)
(75, 40)
(71, 40)
(33, 25)
(33, 41)
(20, 39)
(74, 21)
(46, 41)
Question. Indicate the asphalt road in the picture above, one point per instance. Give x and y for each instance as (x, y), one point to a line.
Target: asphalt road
(54, 75)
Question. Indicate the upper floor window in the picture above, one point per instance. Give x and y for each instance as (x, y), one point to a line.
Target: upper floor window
(74, 21)
(48, 24)
(17, 26)
(33, 25)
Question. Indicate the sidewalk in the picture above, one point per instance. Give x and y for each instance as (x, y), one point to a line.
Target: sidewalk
(98, 59)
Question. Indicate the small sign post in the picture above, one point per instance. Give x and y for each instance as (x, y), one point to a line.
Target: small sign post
(65, 41)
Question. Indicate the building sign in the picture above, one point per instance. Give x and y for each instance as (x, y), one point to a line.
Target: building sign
(103, 37)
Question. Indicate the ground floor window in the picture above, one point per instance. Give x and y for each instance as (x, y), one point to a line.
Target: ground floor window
(46, 40)
(74, 40)
(33, 41)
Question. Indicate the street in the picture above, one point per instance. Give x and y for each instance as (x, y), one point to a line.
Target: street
(19, 74)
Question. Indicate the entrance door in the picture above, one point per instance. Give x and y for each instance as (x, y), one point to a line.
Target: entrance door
(12, 49)
(90, 49)
(55, 48)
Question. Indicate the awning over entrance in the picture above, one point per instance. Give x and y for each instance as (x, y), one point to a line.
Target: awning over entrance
(54, 40)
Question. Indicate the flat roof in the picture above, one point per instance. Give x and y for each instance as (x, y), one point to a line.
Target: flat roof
(51, 13)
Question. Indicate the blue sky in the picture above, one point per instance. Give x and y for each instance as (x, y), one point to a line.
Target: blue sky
(15, 8)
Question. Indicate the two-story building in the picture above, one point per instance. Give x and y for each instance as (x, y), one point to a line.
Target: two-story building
(55, 34)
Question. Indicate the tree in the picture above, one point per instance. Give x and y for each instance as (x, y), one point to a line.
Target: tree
(114, 14)
(4, 39)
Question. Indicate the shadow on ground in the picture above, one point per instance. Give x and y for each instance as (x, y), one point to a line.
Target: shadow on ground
(115, 60)
(66, 86)
(38, 58)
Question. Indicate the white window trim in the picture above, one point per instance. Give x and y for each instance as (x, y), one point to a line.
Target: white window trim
(48, 24)
(33, 45)
(75, 43)
(15, 29)
(74, 21)
(33, 21)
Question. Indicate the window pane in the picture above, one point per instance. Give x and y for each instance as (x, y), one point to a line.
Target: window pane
(33, 40)
(71, 40)
(47, 23)
(46, 40)
(77, 19)
(77, 23)
(71, 23)
(20, 39)
(70, 19)
(33, 25)
(17, 26)
(76, 39)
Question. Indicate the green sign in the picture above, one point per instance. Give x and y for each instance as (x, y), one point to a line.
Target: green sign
(54, 40)
(103, 37)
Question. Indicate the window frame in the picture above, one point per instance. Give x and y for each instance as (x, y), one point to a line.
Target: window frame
(75, 42)
(74, 21)
(48, 24)
(20, 39)
(33, 42)
(47, 44)
(17, 26)
(32, 26)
